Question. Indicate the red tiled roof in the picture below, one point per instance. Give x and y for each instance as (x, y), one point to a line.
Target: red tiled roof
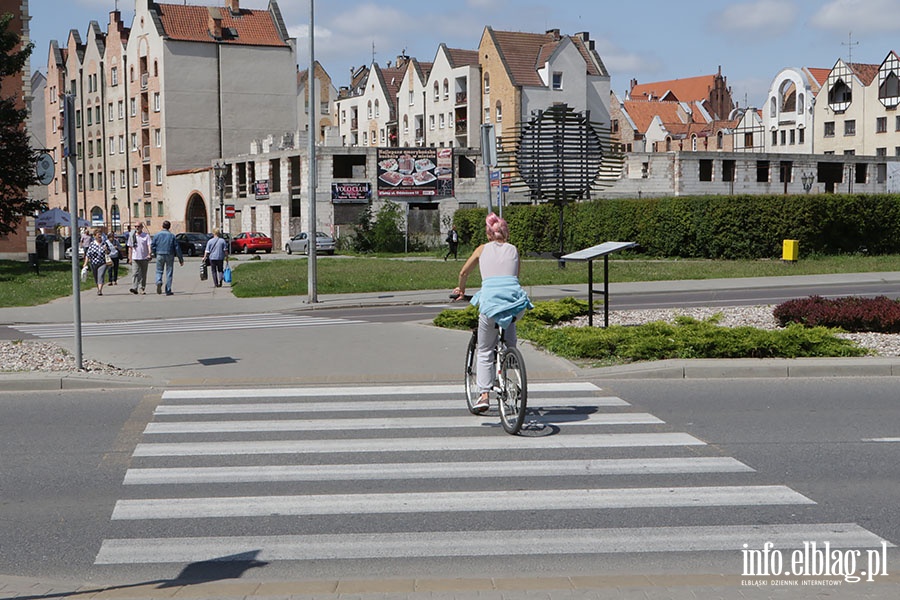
(689, 89)
(819, 75)
(524, 53)
(865, 73)
(460, 58)
(642, 113)
(191, 24)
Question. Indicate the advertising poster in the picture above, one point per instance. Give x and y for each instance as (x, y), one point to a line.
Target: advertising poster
(444, 172)
(408, 172)
(350, 192)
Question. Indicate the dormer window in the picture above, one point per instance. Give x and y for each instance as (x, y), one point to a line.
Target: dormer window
(557, 81)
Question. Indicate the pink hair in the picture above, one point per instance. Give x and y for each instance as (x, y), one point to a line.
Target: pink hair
(496, 227)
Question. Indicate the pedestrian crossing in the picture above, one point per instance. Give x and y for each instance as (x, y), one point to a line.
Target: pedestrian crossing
(404, 472)
(182, 325)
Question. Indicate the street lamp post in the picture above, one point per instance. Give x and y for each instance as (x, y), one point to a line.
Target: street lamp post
(807, 180)
(219, 170)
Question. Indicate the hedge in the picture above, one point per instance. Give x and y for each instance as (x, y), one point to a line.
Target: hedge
(721, 227)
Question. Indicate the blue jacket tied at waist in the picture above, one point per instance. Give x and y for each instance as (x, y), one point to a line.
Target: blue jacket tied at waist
(501, 298)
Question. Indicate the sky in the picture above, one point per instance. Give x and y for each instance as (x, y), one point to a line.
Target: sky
(649, 40)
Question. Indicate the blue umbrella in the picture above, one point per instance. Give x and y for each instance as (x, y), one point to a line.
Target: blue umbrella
(56, 217)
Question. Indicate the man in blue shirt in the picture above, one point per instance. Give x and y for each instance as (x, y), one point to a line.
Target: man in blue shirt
(165, 249)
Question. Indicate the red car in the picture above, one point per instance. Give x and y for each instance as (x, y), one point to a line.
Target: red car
(251, 241)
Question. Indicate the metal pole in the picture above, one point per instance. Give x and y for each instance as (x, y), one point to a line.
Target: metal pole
(70, 149)
(311, 130)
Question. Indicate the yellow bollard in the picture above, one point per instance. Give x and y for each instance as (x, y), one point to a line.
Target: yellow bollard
(790, 250)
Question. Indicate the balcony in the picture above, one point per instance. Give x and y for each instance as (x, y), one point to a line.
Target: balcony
(146, 155)
(462, 98)
(145, 79)
(146, 188)
(354, 124)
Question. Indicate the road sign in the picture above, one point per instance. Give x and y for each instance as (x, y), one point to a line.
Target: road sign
(229, 211)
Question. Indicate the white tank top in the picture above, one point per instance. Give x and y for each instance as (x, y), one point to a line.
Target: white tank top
(498, 259)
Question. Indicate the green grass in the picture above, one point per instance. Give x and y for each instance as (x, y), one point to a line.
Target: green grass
(20, 286)
(343, 275)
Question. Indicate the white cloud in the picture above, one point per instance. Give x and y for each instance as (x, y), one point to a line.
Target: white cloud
(859, 16)
(767, 17)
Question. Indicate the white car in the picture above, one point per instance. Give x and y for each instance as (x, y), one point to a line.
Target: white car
(300, 243)
(69, 253)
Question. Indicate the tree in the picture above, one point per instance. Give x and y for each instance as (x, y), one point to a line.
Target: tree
(17, 158)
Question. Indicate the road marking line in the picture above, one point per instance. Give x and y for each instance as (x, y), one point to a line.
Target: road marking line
(439, 470)
(882, 440)
(713, 538)
(506, 442)
(444, 502)
(405, 423)
(405, 390)
(539, 403)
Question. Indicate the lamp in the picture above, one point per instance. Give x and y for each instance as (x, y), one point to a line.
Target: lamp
(219, 170)
(807, 180)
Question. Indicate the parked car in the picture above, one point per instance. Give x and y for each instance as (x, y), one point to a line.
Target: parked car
(192, 244)
(69, 253)
(251, 241)
(300, 243)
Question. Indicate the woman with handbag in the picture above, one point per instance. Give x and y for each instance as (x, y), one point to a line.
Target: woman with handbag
(216, 253)
(96, 256)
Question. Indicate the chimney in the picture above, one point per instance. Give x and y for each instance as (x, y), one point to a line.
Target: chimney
(554, 33)
(215, 22)
(234, 6)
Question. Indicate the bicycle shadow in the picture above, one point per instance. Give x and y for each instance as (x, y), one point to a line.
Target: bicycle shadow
(546, 421)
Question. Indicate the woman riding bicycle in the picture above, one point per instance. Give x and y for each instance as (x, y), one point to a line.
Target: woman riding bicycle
(500, 301)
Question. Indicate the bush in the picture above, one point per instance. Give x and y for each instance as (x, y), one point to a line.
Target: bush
(381, 233)
(731, 227)
(880, 314)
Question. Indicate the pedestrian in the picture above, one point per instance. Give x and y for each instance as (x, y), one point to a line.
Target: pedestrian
(128, 246)
(165, 248)
(112, 243)
(453, 242)
(216, 253)
(86, 239)
(95, 257)
(139, 247)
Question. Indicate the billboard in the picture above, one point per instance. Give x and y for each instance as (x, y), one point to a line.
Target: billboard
(415, 172)
(351, 192)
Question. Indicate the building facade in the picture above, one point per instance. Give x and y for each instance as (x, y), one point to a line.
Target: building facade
(788, 116)
(180, 88)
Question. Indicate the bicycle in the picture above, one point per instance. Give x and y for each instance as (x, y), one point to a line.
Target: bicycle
(510, 383)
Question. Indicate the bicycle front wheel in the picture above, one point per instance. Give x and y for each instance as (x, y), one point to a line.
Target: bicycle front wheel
(469, 375)
(513, 390)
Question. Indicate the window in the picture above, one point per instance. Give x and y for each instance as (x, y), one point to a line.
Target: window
(369, 109)
(91, 181)
(896, 123)
(728, 170)
(109, 112)
(157, 136)
(148, 210)
(801, 134)
(793, 137)
(156, 102)
(786, 172)
(881, 125)
(487, 115)
(487, 83)
(446, 89)
(159, 175)
(882, 152)
(112, 180)
(443, 122)
(134, 179)
(99, 181)
(850, 127)
(123, 183)
(762, 171)
(706, 170)
(121, 144)
(557, 83)
(774, 138)
(829, 128)
(114, 76)
(377, 109)
(97, 116)
(431, 122)
(783, 137)
(412, 97)
(134, 143)
(134, 107)
(405, 124)
(499, 112)
(437, 92)
(159, 209)
(121, 109)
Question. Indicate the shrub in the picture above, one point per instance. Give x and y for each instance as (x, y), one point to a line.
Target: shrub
(851, 313)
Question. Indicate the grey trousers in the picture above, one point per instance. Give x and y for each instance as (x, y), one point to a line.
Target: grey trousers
(139, 279)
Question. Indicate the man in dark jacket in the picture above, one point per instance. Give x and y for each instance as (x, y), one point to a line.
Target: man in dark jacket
(165, 249)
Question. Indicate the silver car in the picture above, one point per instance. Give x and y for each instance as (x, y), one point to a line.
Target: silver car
(299, 243)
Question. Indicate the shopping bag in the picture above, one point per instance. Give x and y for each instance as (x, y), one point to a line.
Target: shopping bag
(204, 271)
(226, 276)
(84, 273)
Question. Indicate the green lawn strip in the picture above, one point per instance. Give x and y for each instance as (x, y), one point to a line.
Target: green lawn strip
(21, 286)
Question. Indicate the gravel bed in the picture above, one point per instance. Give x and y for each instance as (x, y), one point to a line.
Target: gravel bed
(761, 317)
(32, 356)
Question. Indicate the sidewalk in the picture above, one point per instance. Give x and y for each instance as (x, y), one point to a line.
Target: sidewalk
(194, 298)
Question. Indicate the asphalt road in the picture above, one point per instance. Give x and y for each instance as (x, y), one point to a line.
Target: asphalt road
(98, 487)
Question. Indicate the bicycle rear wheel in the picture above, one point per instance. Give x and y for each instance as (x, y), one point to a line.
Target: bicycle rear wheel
(470, 377)
(513, 395)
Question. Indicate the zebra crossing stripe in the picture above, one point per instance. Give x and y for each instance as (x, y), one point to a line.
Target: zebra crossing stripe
(406, 423)
(441, 470)
(387, 390)
(482, 543)
(430, 502)
(372, 405)
(185, 324)
(444, 444)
